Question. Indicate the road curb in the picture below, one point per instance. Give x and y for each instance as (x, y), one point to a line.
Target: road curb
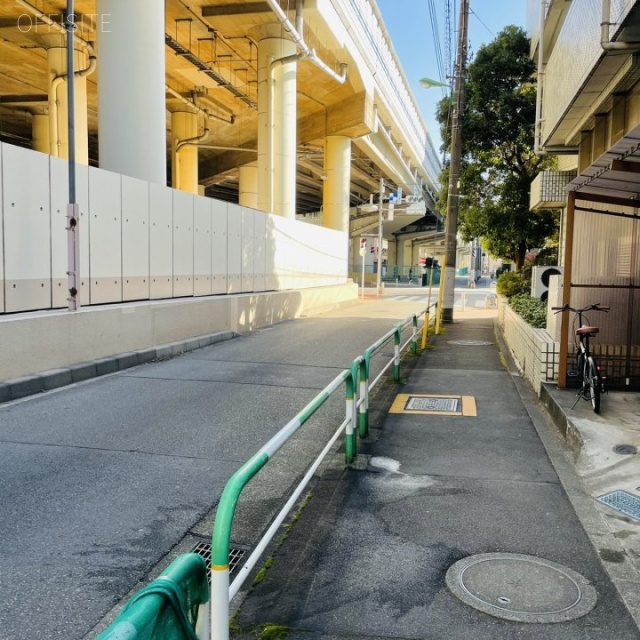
(563, 423)
(56, 378)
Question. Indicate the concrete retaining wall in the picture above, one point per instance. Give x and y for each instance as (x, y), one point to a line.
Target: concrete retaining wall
(534, 350)
(34, 342)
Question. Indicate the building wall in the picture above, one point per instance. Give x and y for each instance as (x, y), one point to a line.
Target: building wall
(574, 56)
(591, 103)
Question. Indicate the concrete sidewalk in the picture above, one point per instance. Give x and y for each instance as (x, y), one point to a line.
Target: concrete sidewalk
(450, 526)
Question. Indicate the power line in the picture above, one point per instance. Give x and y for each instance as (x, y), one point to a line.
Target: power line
(482, 23)
(435, 31)
(448, 29)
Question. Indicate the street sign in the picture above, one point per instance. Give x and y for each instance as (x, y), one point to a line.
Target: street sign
(363, 251)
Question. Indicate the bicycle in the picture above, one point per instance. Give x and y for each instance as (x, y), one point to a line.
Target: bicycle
(587, 370)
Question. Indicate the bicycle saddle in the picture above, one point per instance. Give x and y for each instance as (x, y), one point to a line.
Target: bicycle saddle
(582, 331)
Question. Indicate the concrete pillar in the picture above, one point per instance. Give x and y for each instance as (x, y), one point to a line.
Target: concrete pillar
(58, 107)
(599, 137)
(131, 89)
(618, 119)
(248, 186)
(585, 150)
(40, 132)
(184, 162)
(404, 255)
(277, 120)
(392, 254)
(415, 255)
(336, 188)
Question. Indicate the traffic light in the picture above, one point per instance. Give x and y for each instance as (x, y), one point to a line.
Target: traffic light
(428, 263)
(363, 243)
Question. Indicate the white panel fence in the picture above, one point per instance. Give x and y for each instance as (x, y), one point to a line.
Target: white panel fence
(141, 241)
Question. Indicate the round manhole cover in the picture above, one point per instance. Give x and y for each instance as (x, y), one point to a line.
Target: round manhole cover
(625, 449)
(521, 588)
(470, 343)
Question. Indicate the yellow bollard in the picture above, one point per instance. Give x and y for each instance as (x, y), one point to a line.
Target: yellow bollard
(440, 295)
(425, 329)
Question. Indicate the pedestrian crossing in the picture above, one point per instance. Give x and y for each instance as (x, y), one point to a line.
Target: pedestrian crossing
(410, 298)
(467, 300)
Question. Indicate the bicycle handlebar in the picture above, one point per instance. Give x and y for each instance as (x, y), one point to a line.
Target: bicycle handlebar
(590, 307)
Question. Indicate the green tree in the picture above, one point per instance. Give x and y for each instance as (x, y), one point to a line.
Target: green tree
(498, 161)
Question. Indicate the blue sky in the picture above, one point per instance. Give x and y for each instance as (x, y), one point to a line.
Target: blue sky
(409, 25)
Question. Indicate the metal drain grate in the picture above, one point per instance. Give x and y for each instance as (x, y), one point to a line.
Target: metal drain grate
(235, 555)
(434, 405)
(470, 343)
(624, 502)
(448, 405)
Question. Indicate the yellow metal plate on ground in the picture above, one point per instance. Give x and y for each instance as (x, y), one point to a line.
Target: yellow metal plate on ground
(430, 405)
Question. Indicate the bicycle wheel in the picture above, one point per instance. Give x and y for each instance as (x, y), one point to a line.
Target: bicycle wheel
(593, 380)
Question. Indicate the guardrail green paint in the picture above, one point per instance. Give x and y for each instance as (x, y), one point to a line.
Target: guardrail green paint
(359, 371)
(396, 348)
(312, 407)
(414, 342)
(221, 537)
(181, 587)
(350, 436)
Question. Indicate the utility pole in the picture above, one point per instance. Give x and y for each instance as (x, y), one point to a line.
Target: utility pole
(380, 240)
(451, 225)
(73, 210)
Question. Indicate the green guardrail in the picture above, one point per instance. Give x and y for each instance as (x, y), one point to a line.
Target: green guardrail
(221, 591)
(168, 608)
(176, 606)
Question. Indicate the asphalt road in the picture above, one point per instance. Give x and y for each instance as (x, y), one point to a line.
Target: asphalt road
(100, 481)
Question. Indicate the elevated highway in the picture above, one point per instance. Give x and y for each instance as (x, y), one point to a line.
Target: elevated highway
(287, 107)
